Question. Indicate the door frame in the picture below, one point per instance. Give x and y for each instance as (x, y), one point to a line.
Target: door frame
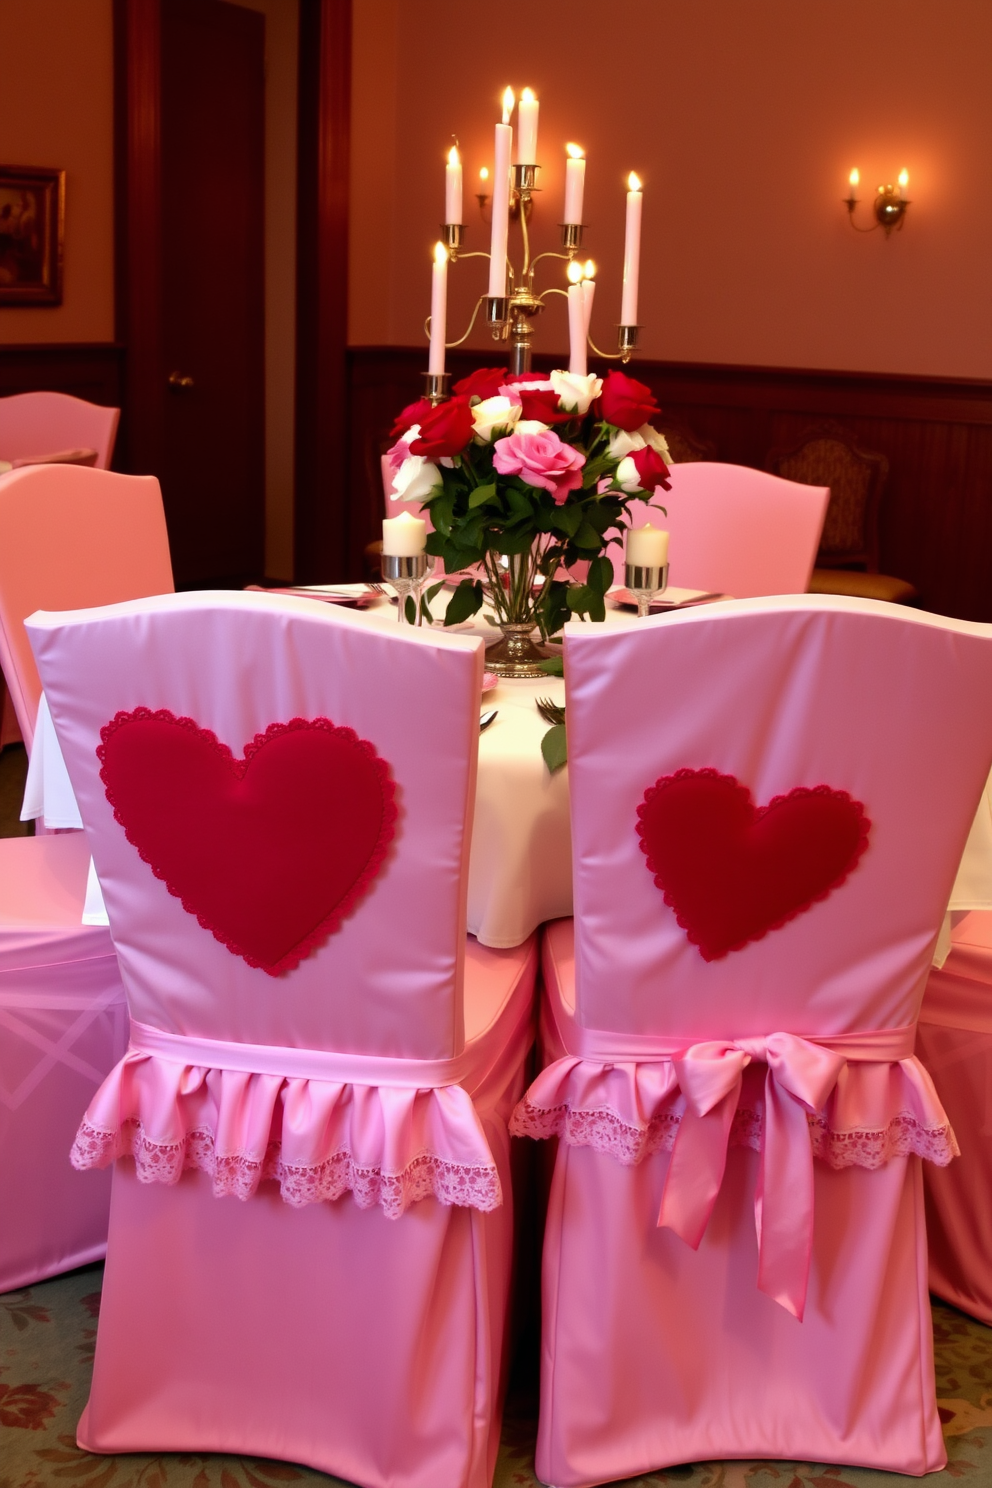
(320, 528)
(321, 481)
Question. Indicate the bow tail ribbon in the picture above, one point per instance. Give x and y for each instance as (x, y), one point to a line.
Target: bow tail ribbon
(800, 1077)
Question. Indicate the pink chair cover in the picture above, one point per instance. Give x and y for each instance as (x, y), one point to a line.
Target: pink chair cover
(735, 530)
(42, 423)
(955, 1045)
(71, 537)
(657, 1352)
(63, 1025)
(379, 1074)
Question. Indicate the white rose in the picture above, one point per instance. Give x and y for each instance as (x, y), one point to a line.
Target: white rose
(627, 477)
(649, 435)
(415, 479)
(623, 443)
(536, 385)
(576, 392)
(530, 426)
(495, 416)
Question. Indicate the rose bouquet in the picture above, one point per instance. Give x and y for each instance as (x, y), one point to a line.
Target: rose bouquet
(526, 476)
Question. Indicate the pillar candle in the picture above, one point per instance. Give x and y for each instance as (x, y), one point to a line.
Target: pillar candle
(453, 187)
(527, 111)
(575, 184)
(647, 547)
(501, 200)
(631, 252)
(404, 536)
(439, 308)
(576, 331)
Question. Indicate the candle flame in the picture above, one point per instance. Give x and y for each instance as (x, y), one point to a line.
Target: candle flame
(576, 152)
(903, 179)
(508, 101)
(528, 95)
(440, 253)
(574, 272)
(453, 155)
(633, 182)
(484, 173)
(854, 178)
(589, 269)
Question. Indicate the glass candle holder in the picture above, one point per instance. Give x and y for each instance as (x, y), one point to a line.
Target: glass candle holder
(645, 584)
(406, 573)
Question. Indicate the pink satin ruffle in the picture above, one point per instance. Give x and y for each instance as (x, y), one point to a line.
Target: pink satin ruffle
(387, 1146)
(851, 1100)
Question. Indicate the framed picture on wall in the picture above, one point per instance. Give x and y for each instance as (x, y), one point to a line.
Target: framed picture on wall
(32, 221)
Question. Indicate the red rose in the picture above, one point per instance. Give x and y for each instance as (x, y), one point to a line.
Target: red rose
(651, 469)
(413, 413)
(483, 383)
(445, 431)
(542, 404)
(626, 403)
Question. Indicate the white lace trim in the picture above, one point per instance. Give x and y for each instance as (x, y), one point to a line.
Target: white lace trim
(425, 1176)
(606, 1131)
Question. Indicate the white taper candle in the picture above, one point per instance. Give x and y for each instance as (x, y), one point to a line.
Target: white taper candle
(501, 200)
(575, 184)
(631, 252)
(453, 187)
(439, 309)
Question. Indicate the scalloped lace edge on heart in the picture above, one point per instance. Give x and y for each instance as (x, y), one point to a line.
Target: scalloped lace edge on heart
(239, 1174)
(331, 922)
(759, 812)
(606, 1131)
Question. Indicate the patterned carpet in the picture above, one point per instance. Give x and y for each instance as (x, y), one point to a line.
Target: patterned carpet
(47, 1334)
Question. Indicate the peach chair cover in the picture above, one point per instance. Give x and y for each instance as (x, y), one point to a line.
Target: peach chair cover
(735, 530)
(71, 537)
(955, 1045)
(654, 1352)
(43, 423)
(63, 1024)
(374, 1081)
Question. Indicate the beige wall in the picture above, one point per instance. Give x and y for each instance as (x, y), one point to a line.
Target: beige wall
(743, 120)
(56, 109)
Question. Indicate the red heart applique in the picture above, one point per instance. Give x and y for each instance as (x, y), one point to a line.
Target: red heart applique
(269, 852)
(731, 871)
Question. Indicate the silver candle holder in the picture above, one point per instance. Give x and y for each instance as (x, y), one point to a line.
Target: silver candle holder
(645, 584)
(406, 574)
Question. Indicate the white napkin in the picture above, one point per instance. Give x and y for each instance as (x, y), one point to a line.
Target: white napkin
(48, 794)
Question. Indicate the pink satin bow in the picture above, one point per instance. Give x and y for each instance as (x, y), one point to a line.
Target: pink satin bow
(800, 1077)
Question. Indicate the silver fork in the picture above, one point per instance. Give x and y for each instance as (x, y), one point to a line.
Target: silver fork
(375, 588)
(551, 712)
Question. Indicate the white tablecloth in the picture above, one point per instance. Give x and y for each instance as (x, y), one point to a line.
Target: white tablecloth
(520, 868)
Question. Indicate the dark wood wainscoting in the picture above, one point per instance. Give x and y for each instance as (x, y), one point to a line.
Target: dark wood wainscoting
(93, 371)
(936, 520)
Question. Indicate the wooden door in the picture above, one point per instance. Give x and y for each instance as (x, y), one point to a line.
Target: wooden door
(212, 203)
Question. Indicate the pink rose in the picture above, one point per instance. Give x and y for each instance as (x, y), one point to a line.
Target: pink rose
(540, 460)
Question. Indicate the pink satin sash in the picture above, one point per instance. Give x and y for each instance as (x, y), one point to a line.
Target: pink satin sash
(306, 1064)
(801, 1074)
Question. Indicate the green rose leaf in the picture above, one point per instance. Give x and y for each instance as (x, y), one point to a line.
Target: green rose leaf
(481, 495)
(554, 747)
(553, 665)
(464, 603)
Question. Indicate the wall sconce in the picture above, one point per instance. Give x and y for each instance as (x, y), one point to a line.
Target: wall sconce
(889, 205)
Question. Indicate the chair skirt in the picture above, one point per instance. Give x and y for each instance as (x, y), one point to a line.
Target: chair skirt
(655, 1354)
(63, 1026)
(369, 1348)
(954, 1041)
